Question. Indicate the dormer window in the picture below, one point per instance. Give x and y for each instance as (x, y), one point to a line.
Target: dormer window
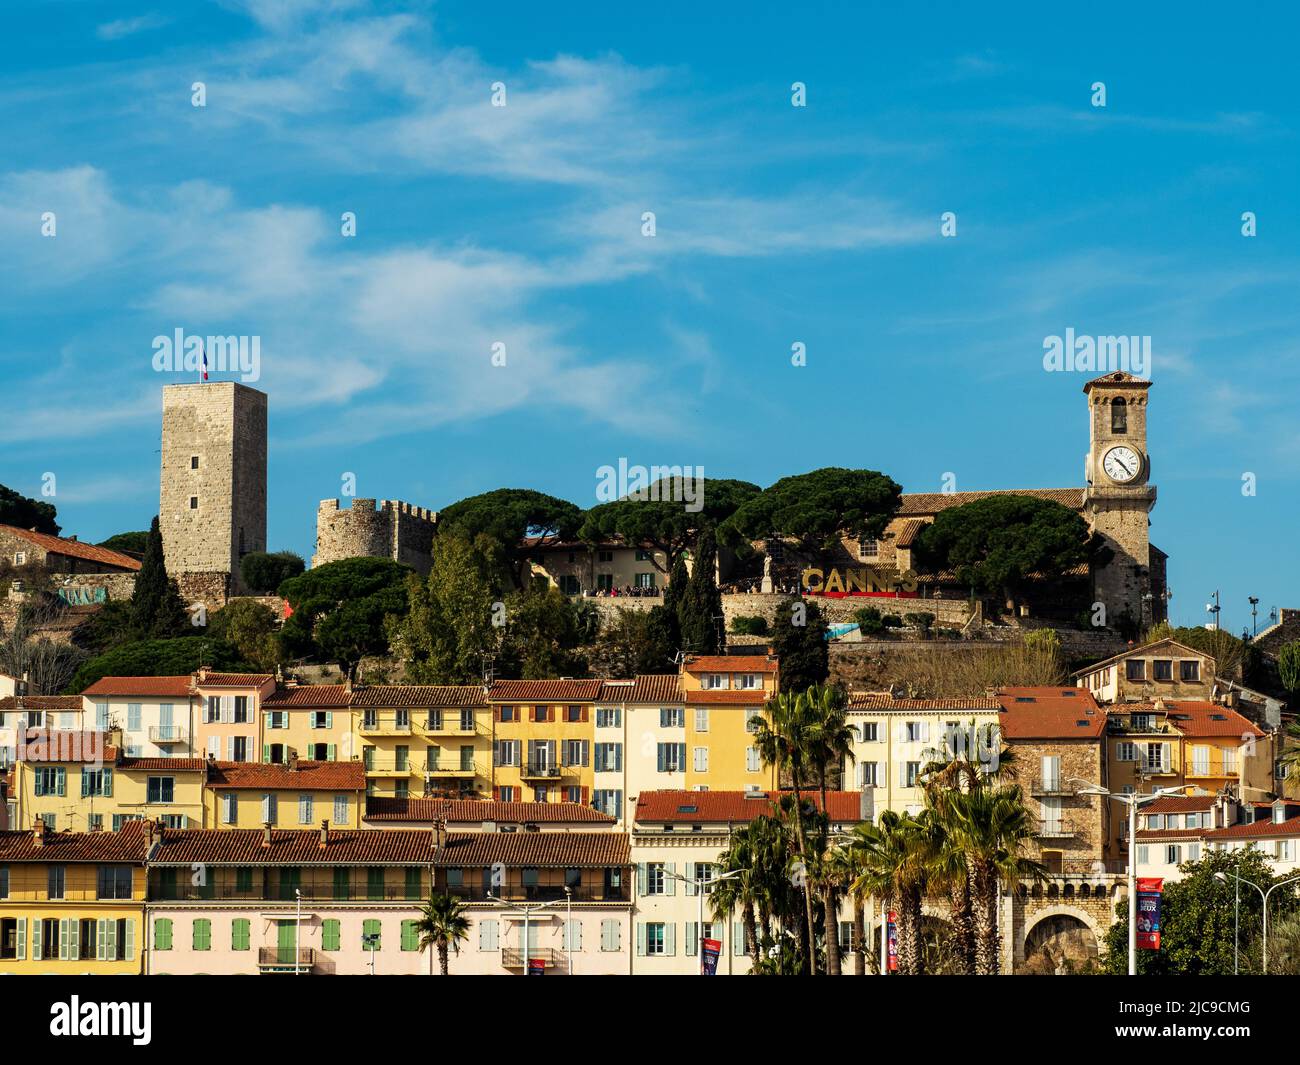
(1119, 417)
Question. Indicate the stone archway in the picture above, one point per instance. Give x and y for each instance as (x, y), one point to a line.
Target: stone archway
(1062, 939)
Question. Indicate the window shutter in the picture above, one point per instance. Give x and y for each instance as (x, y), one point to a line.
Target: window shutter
(63, 939)
(74, 938)
(640, 939)
(670, 885)
(36, 938)
(21, 948)
(85, 783)
(108, 781)
(618, 757)
(691, 888)
(110, 936)
(60, 778)
(640, 878)
(692, 936)
(670, 940)
(129, 935)
(738, 938)
(925, 732)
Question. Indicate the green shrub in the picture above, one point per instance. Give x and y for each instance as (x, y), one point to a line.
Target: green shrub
(749, 625)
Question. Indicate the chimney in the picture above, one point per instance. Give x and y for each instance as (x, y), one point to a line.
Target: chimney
(156, 833)
(39, 832)
(292, 759)
(347, 683)
(324, 834)
(72, 538)
(266, 835)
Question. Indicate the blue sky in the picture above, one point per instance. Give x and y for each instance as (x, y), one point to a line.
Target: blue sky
(774, 225)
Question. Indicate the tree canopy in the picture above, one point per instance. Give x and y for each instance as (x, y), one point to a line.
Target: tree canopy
(341, 609)
(509, 515)
(129, 543)
(699, 610)
(994, 543)
(264, 572)
(159, 658)
(816, 508)
(157, 610)
(661, 520)
(250, 627)
(23, 513)
(543, 633)
(801, 649)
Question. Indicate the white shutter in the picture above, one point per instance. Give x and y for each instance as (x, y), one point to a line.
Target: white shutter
(214, 746)
(925, 732)
(882, 774)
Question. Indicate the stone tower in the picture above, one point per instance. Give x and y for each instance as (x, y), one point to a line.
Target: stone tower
(213, 502)
(1119, 496)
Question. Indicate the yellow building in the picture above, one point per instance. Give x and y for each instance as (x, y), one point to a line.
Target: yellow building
(1186, 744)
(541, 739)
(82, 782)
(299, 794)
(72, 902)
(315, 720)
(723, 697)
(423, 739)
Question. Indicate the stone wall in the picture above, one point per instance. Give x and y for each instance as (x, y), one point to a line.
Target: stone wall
(391, 529)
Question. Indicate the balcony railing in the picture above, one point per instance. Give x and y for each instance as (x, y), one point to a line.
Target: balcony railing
(449, 767)
(381, 727)
(1053, 830)
(539, 771)
(166, 734)
(450, 727)
(326, 894)
(389, 767)
(513, 957)
(281, 958)
(1051, 786)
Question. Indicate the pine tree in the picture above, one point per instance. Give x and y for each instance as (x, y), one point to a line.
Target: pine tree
(700, 608)
(157, 609)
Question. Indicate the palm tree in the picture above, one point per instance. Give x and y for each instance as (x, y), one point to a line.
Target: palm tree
(894, 860)
(442, 924)
(845, 867)
(993, 827)
(830, 736)
(783, 741)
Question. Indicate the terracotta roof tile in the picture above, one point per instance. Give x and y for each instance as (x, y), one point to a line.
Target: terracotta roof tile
(1257, 830)
(656, 688)
(176, 687)
(908, 532)
(1118, 377)
(309, 696)
(307, 776)
(466, 810)
(1180, 804)
(885, 701)
(1195, 718)
(1050, 714)
(233, 680)
(720, 807)
(128, 845)
(928, 503)
(73, 548)
(407, 695)
(730, 664)
(41, 702)
(390, 846)
(165, 765)
(545, 691)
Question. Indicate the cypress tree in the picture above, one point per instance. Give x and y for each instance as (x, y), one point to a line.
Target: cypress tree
(701, 604)
(157, 609)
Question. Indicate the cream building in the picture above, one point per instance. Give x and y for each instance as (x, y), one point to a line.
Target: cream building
(155, 715)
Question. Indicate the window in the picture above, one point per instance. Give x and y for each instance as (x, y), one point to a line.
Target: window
(1141, 722)
(610, 936)
(4, 881)
(715, 681)
(133, 715)
(1157, 757)
(868, 548)
(1189, 670)
(101, 716)
(608, 801)
(574, 752)
(412, 882)
(656, 939)
(753, 718)
(541, 713)
(672, 717)
(330, 938)
(1126, 752)
(869, 774)
(20, 558)
(239, 934)
(202, 933)
(49, 780)
(374, 883)
(114, 882)
(194, 502)
(270, 809)
(1162, 669)
(1229, 761)
(1143, 855)
(541, 793)
(870, 731)
(1135, 669)
(573, 793)
(306, 806)
(753, 763)
(161, 790)
(701, 759)
(229, 808)
(748, 681)
(162, 933)
(656, 883)
(1201, 761)
(671, 757)
(467, 721)
(572, 938)
(56, 879)
(911, 771)
(1173, 854)
(644, 580)
(609, 757)
(96, 782)
(402, 758)
(340, 809)
(572, 713)
(609, 717)
(243, 879)
(510, 713)
(87, 939)
(12, 938)
(701, 719)
(917, 731)
(1119, 416)
(489, 935)
(48, 931)
(410, 936)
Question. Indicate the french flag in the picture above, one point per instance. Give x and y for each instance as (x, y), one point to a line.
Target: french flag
(204, 368)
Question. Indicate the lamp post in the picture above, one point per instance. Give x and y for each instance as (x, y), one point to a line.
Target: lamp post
(1264, 898)
(568, 930)
(297, 934)
(1254, 615)
(1132, 801)
(700, 883)
(370, 940)
(1213, 610)
(527, 909)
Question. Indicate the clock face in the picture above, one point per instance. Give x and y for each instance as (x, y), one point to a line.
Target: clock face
(1121, 464)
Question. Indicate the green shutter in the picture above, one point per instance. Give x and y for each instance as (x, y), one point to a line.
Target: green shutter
(108, 781)
(329, 934)
(329, 723)
(371, 928)
(266, 752)
(85, 782)
(410, 938)
(239, 934)
(202, 934)
(329, 752)
(61, 780)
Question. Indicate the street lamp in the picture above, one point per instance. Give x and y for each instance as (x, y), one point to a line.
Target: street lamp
(701, 882)
(370, 940)
(297, 934)
(1254, 615)
(1213, 610)
(527, 909)
(1264, 897)
(1132, 801)
(568, 930)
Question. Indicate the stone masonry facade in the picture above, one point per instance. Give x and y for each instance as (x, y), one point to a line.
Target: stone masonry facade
(212, 507)
(391, 529)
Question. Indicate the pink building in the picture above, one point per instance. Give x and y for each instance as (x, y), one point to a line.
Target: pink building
(333, 901)
(228, 725)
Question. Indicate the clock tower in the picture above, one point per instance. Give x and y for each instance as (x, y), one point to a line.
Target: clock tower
(1119, 498)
